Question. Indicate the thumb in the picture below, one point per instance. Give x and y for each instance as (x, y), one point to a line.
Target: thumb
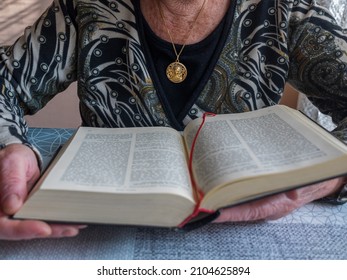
(18, 167)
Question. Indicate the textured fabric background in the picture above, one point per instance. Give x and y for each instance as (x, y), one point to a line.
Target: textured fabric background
(239, 241)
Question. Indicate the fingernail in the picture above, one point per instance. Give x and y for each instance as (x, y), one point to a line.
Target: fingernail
(43, 233)
(82, 226)
(70, 232)
(11, 203)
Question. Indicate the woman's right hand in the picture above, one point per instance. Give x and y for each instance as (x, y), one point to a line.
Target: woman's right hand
(19, 171)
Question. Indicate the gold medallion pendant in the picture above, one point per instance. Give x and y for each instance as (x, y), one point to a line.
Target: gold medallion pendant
(176, 72)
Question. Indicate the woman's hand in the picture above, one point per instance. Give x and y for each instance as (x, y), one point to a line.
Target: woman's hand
(279, 205)
(18, 172)
(19, 230)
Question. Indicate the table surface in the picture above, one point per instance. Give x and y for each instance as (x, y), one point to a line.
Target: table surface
(315, 231)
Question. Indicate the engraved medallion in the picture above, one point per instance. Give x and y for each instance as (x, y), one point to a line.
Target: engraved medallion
(176, 72)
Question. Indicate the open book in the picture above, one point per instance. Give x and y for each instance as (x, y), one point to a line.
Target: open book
(141, 176)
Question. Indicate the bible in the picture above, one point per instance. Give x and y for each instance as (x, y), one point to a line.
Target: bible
(157, 176)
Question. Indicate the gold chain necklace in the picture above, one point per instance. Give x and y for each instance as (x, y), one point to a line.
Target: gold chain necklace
(177, 72)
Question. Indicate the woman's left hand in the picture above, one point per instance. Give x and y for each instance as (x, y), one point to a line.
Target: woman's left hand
(279, 205)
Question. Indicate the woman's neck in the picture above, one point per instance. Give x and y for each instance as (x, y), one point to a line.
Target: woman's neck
(180, 16)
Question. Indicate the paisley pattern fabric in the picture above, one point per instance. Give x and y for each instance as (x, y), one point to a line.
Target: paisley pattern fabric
(97, 43)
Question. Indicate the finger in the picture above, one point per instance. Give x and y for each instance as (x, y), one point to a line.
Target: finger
(14, 187)
(59, 231)
(272, 207)
(20, 230)
(277, 206)
(18, 172)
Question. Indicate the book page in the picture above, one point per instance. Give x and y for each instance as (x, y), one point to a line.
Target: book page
(123, 160)
(235, 146)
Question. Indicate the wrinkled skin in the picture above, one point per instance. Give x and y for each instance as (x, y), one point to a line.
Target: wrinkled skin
(18, 172)
(279, 205)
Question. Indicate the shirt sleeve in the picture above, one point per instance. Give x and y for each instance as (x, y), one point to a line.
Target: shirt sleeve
(35, 68)
(318, 60)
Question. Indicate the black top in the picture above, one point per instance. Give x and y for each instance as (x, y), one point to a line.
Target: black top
(199, 58)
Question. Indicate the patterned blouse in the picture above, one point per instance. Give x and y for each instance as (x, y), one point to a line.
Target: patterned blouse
(98, 44)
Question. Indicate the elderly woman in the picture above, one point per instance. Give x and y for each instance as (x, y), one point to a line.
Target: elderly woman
(163, 63)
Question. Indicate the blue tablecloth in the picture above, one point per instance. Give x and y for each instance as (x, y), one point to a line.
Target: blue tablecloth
(316, 231)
